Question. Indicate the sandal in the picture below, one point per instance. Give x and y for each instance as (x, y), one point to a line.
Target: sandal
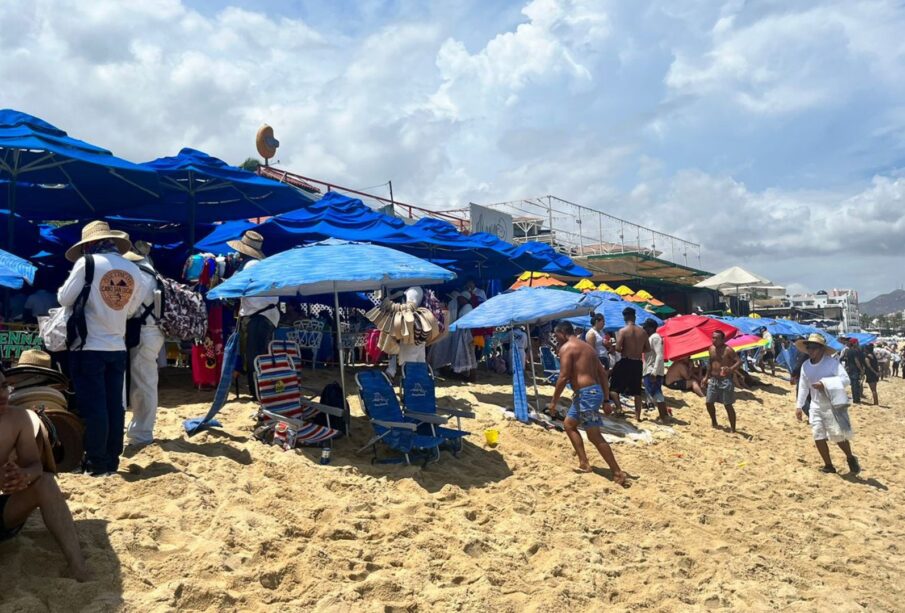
(828, 469)
(854, 465)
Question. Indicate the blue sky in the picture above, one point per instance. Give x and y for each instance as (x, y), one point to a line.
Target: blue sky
(772, 132)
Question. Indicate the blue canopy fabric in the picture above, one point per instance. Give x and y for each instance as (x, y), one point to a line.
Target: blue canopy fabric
(611, 307)
(215, 242)
(46, 174)
(14, 271)
(338, 216)
(330, 266)
(197, 187)
(863, 338)
(748, 325)
(528, 305)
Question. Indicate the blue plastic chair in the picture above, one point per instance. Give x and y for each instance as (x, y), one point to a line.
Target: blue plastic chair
(419, 397)
(550, 363)
(402, 433)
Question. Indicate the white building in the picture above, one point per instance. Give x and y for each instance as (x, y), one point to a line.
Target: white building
(839, 304)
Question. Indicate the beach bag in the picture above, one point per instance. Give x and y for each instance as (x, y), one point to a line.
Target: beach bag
(183, 315)
(53, 329)
(332, 396)
(205, 368)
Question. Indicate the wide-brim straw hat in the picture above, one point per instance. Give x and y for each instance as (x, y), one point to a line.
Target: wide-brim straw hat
(250, 245)
(814, 339)
(34, 357)
(140, 250)
(98, 231)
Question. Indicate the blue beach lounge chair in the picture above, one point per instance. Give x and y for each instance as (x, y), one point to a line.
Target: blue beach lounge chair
(399, 432)
(419, 397)
(550, 363)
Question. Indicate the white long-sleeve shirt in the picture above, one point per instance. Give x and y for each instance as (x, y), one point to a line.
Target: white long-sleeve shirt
(811, 373)
(117, 291)
(250, 306)
(653, 359)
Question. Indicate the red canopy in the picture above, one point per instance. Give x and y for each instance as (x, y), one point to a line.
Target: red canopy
(686, 335)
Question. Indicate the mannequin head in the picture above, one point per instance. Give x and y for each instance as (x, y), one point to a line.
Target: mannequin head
(414, 295)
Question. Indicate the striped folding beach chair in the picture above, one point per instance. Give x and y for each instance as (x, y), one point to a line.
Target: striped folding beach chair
(281, 401)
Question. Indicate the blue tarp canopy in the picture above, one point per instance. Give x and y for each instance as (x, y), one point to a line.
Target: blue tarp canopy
(215, 242)
(45, 174)
(198, 188)
(748, 325)
(14, 271)
(611, 306)
(863, 338)
(338, 216)
(331, 266)
(528, 305)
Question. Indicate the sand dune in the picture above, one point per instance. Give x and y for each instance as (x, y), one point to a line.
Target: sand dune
(220, 522)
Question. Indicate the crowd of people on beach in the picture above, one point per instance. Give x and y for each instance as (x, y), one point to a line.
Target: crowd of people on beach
(113, 293)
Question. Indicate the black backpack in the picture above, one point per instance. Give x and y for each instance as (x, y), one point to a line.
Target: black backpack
(77, 325)
(332, 396)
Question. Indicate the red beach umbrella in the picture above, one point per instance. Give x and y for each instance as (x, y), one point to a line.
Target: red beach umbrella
(686, 335)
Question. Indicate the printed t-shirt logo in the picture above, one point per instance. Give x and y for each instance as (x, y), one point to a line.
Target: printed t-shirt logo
(117, 287)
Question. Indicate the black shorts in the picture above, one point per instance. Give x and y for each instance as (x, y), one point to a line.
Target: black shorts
(6, 533)
(680, 385)
(626, 377)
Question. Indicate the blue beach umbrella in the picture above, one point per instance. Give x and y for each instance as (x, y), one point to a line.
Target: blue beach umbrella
(330, 266)
(54, 176)
(14, 271)
(526, 306)
(611, 306)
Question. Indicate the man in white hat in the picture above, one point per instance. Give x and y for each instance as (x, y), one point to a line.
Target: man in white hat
(143, 371)
(97, 360)
(258, 316)
(824, 379)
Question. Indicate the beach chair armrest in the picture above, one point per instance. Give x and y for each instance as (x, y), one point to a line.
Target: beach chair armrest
(296, 423)
(456, 412)
(400, 425)
(427, 418)
(324, 408)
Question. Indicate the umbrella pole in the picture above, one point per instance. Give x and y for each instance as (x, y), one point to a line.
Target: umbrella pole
(339, 345)
(533, 375)
(11, 205)
(192, 213)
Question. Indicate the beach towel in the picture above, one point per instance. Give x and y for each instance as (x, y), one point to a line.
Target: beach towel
(834, 388)
(519, 392)
(230, 357)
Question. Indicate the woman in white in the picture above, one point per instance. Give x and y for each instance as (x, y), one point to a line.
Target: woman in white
(824, 379)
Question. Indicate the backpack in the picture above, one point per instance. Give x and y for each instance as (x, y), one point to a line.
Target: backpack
(332, 395)
(77, 325)
(183, 314)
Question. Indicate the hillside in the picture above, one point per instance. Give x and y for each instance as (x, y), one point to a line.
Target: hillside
(884, 304)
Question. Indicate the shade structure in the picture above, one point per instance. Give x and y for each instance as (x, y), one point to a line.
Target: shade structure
(197, 187)
(644, 294)
(536, 279)
(739, 343)
(624, 290)
(603, 287)
(611, 307)
(215, 241)
(686, 335)
(331, 266)
(14, 271)
(585, 285)
(733, 277)
(46, 174)
(863, 338)
(529, 305)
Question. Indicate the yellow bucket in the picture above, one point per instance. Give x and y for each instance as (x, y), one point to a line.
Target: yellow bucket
(492, 437)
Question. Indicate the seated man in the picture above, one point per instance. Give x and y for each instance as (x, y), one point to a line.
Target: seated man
(681, 377)
(24, 486)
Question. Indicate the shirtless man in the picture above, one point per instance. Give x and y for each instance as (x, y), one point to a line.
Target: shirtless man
(682, 378)
(24, 486)
(580, 367)
(718, 381)
(631, 342)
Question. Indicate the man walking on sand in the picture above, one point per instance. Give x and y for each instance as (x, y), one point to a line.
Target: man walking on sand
(718, 381)
(632, 343)
(580, 367)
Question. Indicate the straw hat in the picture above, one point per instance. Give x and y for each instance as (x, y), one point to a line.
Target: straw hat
(140, 250)
(34, 357)
(98, 231)
(266, 143)
(814, 339)
(250, 245)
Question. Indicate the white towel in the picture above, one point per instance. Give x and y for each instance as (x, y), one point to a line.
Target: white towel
(835, 389)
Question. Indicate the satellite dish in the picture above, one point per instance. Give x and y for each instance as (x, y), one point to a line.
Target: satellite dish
(266, 143)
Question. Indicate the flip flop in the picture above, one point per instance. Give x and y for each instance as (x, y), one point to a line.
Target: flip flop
(828, 469)
(854, 465)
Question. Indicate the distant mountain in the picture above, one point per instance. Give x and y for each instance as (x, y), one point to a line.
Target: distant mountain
(884, 304)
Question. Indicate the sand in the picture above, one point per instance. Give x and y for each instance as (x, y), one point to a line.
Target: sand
(712, 520)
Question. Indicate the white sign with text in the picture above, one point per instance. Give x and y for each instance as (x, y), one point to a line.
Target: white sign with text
(491, 221)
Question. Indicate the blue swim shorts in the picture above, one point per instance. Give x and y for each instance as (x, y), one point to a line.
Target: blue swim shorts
(653, 385)
(586, 405)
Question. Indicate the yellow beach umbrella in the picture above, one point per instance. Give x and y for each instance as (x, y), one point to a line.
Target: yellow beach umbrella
(585, 286)
(528, 275)
(644, 294)
(624, 290)
(603, 287)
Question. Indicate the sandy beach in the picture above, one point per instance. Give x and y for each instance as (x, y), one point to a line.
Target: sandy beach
(220, 522)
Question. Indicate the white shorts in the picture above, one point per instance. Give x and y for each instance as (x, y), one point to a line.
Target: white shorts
(824, 426)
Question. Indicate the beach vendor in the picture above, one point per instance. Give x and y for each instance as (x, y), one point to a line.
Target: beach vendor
(631, 343)
(143, 358)
(824, 379)
(97, 360)
(25, 486)
(258, 315)
(724, 362)
(580, 368)
(655, 369)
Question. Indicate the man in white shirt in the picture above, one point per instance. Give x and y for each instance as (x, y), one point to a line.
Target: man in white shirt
(258, 316)
(97, 360)
(144, 375)
(655, 369)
